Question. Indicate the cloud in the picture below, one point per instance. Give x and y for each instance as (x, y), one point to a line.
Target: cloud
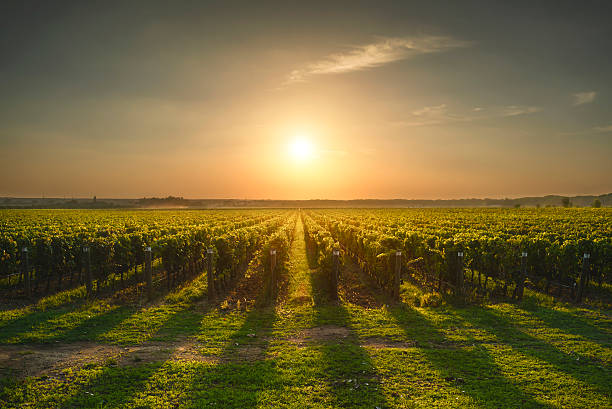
(433, 115)
(514, 110)
(607, 128)
(440, 114)
(588, 131)
(582, 98)
(431, 111)
(385, 51)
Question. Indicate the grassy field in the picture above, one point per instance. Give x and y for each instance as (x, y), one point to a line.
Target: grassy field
(303, 351)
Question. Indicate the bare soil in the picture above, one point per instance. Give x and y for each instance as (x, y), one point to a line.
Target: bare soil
(38, 360)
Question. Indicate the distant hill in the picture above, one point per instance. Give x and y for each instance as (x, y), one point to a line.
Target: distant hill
(179, 202)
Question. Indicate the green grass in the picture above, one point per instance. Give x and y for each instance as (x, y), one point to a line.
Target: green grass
(537, 354)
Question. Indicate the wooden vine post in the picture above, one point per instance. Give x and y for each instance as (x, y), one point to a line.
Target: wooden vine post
(459, 281)
(51, 271)
(210, 274)
(584, 277)
(334, 274)
(26, 272)
(273, 277)
(88, 278)
(397, 275)
(520, 286)
(148, 272)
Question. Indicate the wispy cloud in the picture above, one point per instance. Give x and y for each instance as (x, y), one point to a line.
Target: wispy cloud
(440, 114)
(433, 115)
(588, 131)
(386, 50)
(582, 98)
(607, 128)
(515, 110)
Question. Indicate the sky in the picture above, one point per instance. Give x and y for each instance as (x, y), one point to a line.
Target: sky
(305, 100)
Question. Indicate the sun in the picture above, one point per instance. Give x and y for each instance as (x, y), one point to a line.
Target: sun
(300, 149)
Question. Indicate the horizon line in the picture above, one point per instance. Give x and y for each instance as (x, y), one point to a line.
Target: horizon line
(299, 200)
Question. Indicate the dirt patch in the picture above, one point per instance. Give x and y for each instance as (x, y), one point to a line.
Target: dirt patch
(247, 353)
(320, 334)
(383, 343)
(187, 350)
(37, 360)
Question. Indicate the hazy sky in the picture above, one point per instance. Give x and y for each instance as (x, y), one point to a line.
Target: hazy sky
(393, 99)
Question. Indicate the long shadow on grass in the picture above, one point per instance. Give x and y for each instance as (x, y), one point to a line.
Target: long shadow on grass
(94, 387)
(128, 325)
(110, 384)
(571, 324)
(233, 377)
(113, 386)
(484, 381)
(69, 324)
(88, 329)
(239, 372)
(92, 326)
(504, 329)
(29, 321)
(242, 373)
(49, 306)
(233, 382)
(89, 324)
(350, 372)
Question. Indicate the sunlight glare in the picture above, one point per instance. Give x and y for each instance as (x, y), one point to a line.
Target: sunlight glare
(301, 149)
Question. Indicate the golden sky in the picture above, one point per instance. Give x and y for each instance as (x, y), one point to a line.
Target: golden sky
(208, 101)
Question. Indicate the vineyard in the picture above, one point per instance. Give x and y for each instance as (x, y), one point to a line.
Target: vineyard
(462, 250)
(51, 251)
(306, 308)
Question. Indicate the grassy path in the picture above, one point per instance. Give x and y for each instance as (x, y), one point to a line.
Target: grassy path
(306, 352)
(300, 283)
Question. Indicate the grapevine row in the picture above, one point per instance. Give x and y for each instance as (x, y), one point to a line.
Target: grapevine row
(104, 254)
(434, 259)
